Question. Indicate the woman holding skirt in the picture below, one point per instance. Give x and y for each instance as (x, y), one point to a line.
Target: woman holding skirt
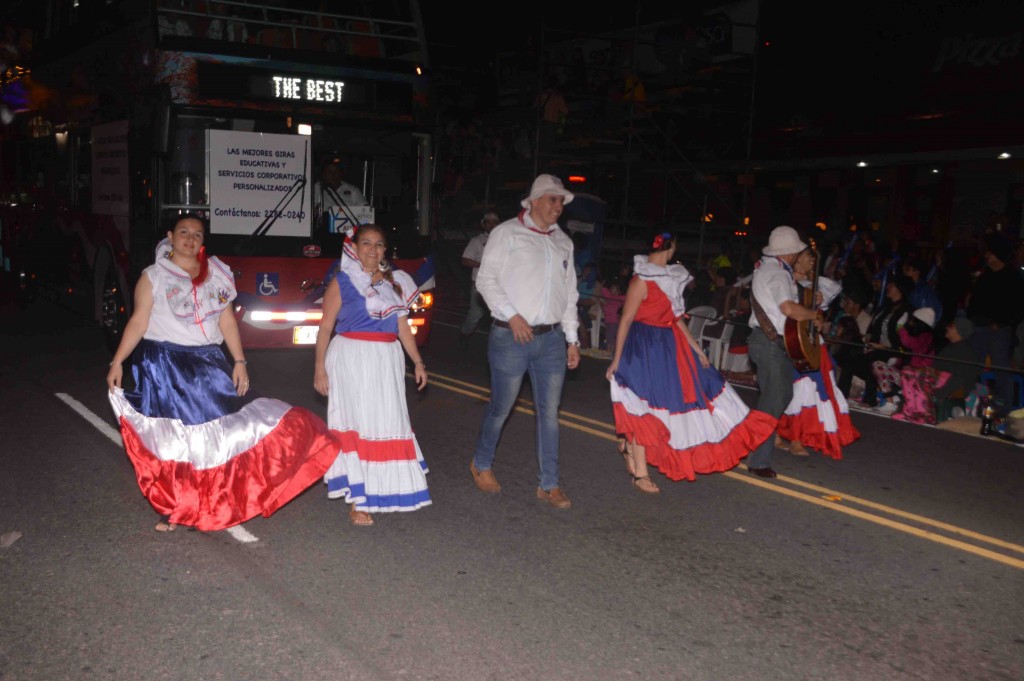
(207, 453)
(673, 408)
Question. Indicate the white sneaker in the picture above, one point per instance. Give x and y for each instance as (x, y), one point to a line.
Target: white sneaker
(887, 409)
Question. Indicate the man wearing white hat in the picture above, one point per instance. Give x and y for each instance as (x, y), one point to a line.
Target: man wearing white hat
(528, 281)
(774, 297)
(471, 256)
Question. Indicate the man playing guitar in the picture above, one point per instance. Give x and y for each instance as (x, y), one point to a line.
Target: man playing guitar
(774, 298)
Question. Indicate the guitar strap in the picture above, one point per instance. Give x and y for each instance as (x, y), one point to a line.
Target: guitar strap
(762, 319)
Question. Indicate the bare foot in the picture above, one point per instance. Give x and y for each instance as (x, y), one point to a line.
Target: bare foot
(360, 518)
(781, 444)
(797, 449)
(164, 526)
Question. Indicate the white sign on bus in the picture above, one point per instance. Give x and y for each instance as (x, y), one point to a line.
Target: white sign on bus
(308, 89)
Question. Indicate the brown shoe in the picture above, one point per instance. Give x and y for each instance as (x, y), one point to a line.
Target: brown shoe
(556, 497)
(781, 444)
(485, 480)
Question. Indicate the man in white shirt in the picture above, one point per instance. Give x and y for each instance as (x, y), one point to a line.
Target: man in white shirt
(331, 192)
(471, 256)
(773, 299)
(528, 281)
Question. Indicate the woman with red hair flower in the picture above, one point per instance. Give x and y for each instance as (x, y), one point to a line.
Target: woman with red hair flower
(673, 408)
(207, 452)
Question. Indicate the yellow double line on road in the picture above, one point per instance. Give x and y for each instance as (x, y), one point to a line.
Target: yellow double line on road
(826, 498)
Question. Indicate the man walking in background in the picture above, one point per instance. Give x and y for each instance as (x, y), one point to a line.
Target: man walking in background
(471, 258)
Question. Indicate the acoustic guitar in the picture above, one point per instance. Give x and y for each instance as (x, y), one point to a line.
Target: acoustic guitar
(802, 340)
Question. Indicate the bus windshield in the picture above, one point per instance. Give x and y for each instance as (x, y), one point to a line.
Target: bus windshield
(268, 190)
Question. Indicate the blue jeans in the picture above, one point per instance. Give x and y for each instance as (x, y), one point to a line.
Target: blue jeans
(544, 359)
(775, 380)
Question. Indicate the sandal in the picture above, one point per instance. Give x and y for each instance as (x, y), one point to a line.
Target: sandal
(645, 484)
(797, 449)
(360, 518)
(782, 444)
(624, 451)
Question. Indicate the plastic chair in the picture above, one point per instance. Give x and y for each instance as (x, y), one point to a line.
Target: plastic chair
(737, 360)
(717, 345)
(699, 316)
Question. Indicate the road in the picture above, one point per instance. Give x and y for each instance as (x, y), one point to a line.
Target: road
(905, 560)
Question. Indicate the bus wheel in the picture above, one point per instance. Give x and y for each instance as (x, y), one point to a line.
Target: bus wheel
(113, 310)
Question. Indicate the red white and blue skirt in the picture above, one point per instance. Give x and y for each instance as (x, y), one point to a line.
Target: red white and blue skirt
(688, 418)
(380, 467)
(205, 457)
(818, 416)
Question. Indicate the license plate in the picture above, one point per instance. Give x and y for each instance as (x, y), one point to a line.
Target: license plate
(304, 335)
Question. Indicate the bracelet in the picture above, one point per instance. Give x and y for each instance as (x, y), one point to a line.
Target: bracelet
(240, 361)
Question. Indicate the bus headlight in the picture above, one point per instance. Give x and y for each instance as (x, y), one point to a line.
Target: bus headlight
(424, 301)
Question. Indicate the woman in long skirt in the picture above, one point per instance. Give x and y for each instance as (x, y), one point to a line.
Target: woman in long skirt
(818, 415)
(674, 410)
(207, 452)
(361, 370)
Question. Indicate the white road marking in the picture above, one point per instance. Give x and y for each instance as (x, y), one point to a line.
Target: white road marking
(241, 534)
(92, 418)
(238, 532)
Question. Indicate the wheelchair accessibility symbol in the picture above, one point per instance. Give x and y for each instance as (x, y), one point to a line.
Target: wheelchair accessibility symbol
(267, 283)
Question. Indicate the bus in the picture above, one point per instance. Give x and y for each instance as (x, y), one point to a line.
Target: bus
(132, 113)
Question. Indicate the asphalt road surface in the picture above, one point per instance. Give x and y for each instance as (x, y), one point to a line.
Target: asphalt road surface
(903, 561)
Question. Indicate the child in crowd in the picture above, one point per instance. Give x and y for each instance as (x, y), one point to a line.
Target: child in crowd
(917, 376)
(588, 286)
(612, 297)
(959, 360)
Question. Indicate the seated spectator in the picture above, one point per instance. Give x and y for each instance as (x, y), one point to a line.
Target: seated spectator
(959, 360)
(882, 340)
(725, 279)
(698, 291)
(918, 377)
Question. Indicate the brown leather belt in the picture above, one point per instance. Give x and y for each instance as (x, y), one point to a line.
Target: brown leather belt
(537, 330)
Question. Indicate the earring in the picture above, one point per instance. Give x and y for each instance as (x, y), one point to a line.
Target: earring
(383, 266)
(170, 254)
